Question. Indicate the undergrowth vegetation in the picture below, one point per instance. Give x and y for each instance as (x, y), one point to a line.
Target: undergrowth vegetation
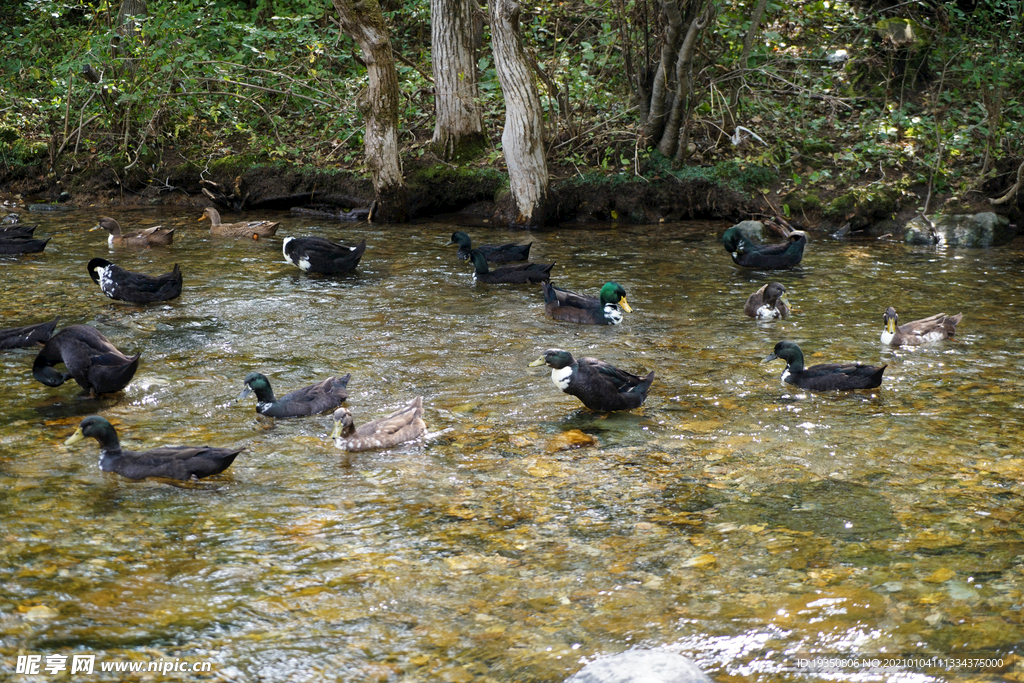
(831, 94)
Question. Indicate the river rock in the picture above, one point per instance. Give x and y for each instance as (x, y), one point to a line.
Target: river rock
(752, 230)
(961, 230)
(641, 666)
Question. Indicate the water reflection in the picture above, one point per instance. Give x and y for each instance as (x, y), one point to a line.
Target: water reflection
(732, 518)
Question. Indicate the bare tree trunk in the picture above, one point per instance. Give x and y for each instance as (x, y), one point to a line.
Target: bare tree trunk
(671, 143)
(748, 44)
(654, 126)
(364, 22)
(458, 120)
(523, 137)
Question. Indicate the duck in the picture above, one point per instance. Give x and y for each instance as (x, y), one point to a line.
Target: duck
(764, 256)
(158, 235)
(22, 245)
(405, 424)
(516, 275)
(495, 253)
(27, 335)
(599, 385)
(91, 360)
(312, 400)
(139, 288)
(826, 376)
(562, 304)
(251, 229)
(931, 329)
(318, 255)
(768, 303)
(169, 462)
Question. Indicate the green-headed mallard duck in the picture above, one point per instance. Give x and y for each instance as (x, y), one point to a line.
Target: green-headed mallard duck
(405, 424)
(600, 385)
(495, 253)
(933, 328)
(312, 400)
(318, 255)
(139, 288)
(826, 376)
(91, 360)
(764, 256)
(22, 245)
(27, 335)
(150, 237)
(561, 304)
(169, 462)
(516, 275)
(768, 303)
(251, 229)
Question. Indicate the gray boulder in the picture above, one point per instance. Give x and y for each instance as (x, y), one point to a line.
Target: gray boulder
(961, 230)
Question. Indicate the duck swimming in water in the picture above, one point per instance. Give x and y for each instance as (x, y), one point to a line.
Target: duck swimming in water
(768, 303)
(312, 400)
(599, 385)
(826, 376)
(251, 229)
(926, 330)
(150, 237)
(27, 335)
(780, 256)
(561, 304)
(139, 288)
(516, 275)
(170, 462)
(405, 424)
(495, 253)
(318, 255)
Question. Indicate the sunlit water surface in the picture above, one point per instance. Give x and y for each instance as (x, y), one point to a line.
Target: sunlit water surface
(732, 519)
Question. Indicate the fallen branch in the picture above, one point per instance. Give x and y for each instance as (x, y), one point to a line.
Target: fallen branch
(1012, 192)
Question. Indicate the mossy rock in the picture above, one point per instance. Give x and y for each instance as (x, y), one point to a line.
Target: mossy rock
(961, 230)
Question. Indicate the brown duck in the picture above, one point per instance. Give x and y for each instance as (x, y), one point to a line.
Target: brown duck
(155, 236)
(251, 229)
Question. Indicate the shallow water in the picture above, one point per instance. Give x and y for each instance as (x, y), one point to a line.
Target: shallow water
(732, 518)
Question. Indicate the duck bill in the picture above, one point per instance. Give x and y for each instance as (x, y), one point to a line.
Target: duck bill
(890, 325)
(96, 227)
(785, 299)
(245, 393)
(538, 362)
(625, 306)
(771, 356)
(337, 429)
(75, 438)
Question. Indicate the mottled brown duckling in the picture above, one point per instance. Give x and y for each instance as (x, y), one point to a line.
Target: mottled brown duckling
(768, 303)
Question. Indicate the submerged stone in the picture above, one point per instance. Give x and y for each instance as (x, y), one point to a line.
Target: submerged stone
(961, 230)
(641, 666)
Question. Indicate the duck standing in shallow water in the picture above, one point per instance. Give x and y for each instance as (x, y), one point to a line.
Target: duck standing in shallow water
(826, 376)
(599, 385)
(312, 400)
(170, 462)
(561, 304)
(405, 424)
(768, 303)
(926, 330)
(318, 255)
(150, 237)
(138, 288)
(495, 253)
(514, 275)
(764, 256)
(91, 360)
(251, 229)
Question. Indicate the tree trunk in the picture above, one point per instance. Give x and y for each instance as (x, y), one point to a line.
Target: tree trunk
(523, 137)
(364, 22)
(458, 121)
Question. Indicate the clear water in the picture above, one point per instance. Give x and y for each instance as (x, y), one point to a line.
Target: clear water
(732, 518)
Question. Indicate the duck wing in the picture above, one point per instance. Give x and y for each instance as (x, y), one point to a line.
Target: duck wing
(318, 255)
(22, 245)
(401, 425)
(932, 328)
(504, 253)
(602, 386)
(829, 376)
